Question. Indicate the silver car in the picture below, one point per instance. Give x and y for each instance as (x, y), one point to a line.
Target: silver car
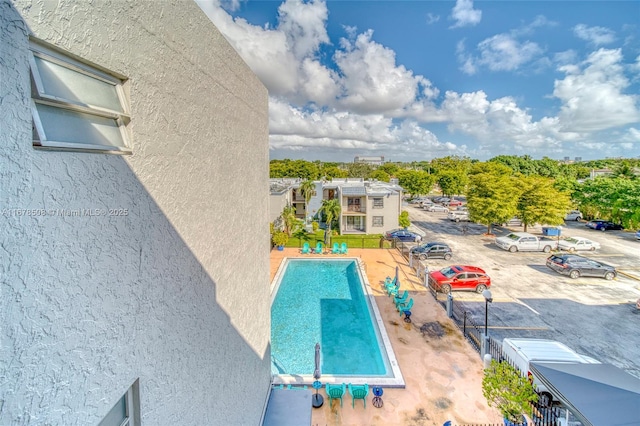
(573, 215)
(437, 208)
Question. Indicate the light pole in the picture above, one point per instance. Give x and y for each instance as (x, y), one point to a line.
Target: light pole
(487, 299)
(485, 341)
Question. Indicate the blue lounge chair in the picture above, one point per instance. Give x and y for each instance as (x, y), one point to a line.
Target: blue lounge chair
(335, 392)
(401, 299)
(343, 248)
(305, 248)
(393, 290)
(335, 249)
(406, 306)
(318, 248)
(388, 283)
(358, 392)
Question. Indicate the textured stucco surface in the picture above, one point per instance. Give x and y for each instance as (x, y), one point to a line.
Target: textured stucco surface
(175, 292)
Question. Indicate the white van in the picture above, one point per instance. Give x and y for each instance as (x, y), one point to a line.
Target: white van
(523, 351)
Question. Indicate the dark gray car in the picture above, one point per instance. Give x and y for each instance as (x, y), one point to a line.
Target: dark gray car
(433, 250)
(576, 266)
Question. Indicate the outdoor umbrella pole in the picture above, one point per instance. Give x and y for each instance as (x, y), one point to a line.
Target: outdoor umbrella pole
(317, 399)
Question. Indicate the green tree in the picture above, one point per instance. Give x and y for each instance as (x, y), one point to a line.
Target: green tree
(331, 209)
(403, 219)
(452, 182)
(389, 168)
(541, 202)
(492, 194)
(332, 172)
(416, 182)
(461, 164)
(289, 219)
(359, 170)
(613, 198)
(308, 190)
(380, 175)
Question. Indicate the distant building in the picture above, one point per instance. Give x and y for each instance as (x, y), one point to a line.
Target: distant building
(376, 161)
(366, 207)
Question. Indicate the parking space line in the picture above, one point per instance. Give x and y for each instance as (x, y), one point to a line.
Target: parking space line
(504, 327)
(528, 307)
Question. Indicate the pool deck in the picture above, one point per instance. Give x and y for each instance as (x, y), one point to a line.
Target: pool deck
(443, 374)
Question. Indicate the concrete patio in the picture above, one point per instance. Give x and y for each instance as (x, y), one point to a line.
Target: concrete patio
(443, 373)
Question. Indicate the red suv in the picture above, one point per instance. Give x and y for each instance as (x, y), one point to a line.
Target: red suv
(459, 277)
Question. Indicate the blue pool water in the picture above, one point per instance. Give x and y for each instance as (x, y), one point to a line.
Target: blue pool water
(324, 301)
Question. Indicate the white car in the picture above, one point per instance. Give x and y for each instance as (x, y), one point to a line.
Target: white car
(578, 243)
(437, 208)
(573, 215)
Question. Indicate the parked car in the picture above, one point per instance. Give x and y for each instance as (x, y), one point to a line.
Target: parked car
(417, 200)
(402, 235)
(437, 208)
(453, 203)
(427, 203)
(441, 200)
(603, 225)
(459, 215)
(523, 241)
(638, 234)
(576, 266)
(573, 215)
(432, 250)
(578, 243)
(459, 277)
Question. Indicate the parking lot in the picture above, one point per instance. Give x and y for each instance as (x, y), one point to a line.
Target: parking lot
(594, 316)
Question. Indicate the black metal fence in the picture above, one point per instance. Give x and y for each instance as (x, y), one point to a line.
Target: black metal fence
(474, 333)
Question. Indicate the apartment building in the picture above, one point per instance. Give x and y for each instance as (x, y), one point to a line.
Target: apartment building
(367, 207)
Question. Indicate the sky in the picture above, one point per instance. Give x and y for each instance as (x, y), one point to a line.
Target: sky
(417, 80)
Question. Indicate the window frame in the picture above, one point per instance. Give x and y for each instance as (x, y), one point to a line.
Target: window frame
(373, 221)
(132, 407)
(49, 53)
(380, 201)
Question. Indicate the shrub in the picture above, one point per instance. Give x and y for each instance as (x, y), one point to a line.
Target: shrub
(508, 391)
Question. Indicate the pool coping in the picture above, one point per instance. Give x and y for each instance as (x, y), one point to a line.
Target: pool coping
(396, 381)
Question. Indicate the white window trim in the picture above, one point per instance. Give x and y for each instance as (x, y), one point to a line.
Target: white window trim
(374, 224)
(38, 96)
(132, 406)
(374, 203)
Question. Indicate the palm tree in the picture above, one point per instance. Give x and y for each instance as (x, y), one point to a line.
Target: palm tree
(331, 209)
(289, 218)
(307, 189)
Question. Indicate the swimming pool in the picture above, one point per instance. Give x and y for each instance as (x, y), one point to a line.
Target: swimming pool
(328, 301)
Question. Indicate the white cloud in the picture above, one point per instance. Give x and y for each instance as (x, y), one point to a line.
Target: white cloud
(432, 19)
(501, 52)
(464, 14)
(365, 103)
(371, 80)
(592, 94)
(594, 35)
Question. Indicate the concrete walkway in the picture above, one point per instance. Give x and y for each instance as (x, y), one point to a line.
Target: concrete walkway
(443, 373)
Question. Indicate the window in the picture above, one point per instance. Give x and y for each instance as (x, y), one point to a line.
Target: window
(126, 412)
(76, 106)
(378, 221)
(378, 203)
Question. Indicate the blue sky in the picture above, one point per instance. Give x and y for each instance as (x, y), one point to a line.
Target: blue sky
(416, 80)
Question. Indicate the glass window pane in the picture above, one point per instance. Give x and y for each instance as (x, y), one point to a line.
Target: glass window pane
(77, 87)
(117, 415)
(62, 125)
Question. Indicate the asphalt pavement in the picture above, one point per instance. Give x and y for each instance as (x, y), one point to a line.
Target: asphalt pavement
(594, 316)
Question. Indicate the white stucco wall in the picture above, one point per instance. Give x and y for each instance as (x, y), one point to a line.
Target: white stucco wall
(175, 293)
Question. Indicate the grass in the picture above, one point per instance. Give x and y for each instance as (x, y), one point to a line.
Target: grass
(353, 241)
